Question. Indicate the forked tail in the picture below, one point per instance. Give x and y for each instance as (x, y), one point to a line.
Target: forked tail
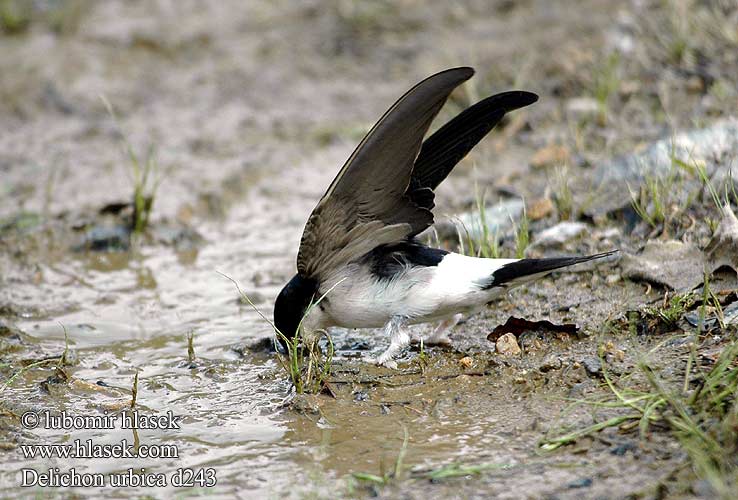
(525, 270)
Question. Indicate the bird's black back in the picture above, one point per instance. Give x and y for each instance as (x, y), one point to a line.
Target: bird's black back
(387, 261)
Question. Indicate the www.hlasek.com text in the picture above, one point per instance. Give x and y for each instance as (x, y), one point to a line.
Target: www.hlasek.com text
(88, 449)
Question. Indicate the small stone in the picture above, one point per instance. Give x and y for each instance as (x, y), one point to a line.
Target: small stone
(560, 233)
(466, 362)
(582, 107)
(612, 279)
(695, 85)
(585, 482)
(550, 363)
(540, 209)
(507, 345)
(550, 156)
(592, 366)
(623, 448)
(672, 263)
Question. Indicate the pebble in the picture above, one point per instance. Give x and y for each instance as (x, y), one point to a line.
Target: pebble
(507, 345)
(560, 233)
(549, 156)
(612, 279)
(585, 482)
(466, 362)
(592, 366)
(550, 363)
(540, 209)
(582, 107)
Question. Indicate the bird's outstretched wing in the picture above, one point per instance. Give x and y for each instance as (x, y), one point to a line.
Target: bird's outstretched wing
(449, 144)
(384, 192)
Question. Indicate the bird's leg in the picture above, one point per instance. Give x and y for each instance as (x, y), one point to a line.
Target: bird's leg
(440, 334)
(399, 339)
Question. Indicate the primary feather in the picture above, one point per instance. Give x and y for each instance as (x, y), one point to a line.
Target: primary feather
(384, 192)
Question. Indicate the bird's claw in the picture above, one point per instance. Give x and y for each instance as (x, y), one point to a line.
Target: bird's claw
(387, 363)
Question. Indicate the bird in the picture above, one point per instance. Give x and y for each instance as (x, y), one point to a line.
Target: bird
(360, 263)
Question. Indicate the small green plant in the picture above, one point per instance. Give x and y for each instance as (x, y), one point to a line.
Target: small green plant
(652, 201)
(64, 358)
(145, 176)
(700, 411)
(672, 310)
(134, 390)
(460, 470)
(605, 83)
(386, 477)
(305, 364)
(561, 193)
(15, 16)
(709, 297)
(191, 346)
(144, 189)
(489, 244)
(485, 244)
(657, 201)
(60, 362)
(522, 236)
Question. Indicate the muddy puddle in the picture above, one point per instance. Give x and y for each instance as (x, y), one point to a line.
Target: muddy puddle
(248, 113)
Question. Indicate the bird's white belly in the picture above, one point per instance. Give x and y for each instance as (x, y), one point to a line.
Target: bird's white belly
(420, 294)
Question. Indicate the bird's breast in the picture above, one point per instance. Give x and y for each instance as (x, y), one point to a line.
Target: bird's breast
(420, 293)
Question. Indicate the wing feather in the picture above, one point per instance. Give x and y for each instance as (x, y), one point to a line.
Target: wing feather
(366, 204)
(384, 192)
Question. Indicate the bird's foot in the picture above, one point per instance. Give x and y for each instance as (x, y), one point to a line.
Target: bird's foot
(439, 337)
(399, 339)
(387, 363)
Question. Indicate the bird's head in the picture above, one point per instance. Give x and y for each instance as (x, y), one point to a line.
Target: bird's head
(292, 304)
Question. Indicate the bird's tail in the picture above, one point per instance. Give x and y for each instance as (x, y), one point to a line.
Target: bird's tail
(525, 270)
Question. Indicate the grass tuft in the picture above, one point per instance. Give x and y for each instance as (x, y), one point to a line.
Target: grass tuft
(606, 82)
(387, 477)
(145, 176)
(522, 236)
(700, 411)
(134, 390)
(191, 346)
(305, 364)
(672, 310)
(460, 470)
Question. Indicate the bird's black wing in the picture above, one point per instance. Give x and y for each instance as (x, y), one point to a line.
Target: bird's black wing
(449, 144)
(367, 203)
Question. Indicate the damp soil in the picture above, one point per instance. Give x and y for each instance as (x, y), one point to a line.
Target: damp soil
(249, 112)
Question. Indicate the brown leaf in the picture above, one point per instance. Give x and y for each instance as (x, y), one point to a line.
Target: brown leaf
(517, 326)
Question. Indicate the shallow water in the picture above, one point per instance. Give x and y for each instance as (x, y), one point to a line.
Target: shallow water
(131, 312)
